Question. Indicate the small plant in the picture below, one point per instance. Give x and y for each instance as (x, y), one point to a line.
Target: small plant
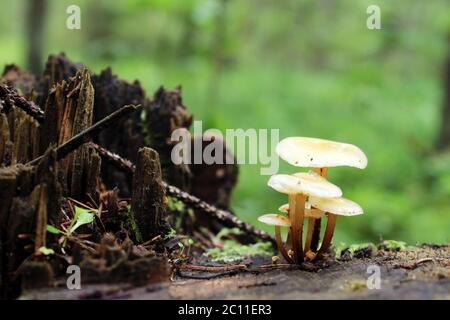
(82, 216)
(310, 195)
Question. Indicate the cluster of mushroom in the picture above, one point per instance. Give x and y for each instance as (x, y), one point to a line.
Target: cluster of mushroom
(311, 196)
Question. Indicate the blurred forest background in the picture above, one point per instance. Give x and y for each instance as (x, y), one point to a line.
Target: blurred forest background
(307, 67)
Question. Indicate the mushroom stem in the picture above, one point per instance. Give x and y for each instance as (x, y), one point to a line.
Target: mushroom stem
(326, 243)
(297, 211)
(316, 235)
(292, 231)
(280, 245)
(315, 238)
(309, 235)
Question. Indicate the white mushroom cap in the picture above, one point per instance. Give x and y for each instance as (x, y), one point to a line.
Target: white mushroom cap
(275, 220)
(307, 183)
(338, 206)
(320, 153)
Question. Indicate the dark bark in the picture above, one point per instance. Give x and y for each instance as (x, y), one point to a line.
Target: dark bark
(126, 137)
(35, 25)
(30, 198)
(165, 114)
(443, 140)
(148, 201)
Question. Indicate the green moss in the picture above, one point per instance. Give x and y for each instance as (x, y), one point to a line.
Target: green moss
(392, 245)
(134, 227)
(175, 205)
(233, 251)
(342, 247)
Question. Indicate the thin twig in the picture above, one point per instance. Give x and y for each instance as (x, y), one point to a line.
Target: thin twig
(87, 135)
(10, 97)
(227, 218)
(414, 265)
(226, 268)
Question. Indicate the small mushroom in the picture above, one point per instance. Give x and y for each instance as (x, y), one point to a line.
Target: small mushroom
(298, 187)
(319, 154)
(335, 207)
(278, 221)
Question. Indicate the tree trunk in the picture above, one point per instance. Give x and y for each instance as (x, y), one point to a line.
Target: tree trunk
(443, 141)
(35, 17)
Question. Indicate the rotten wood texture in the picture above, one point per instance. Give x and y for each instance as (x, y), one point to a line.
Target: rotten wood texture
(225, 217)
(88, 134)
(30, 197)
(23, 81)
(69, 108)
(148, 201)
(58, 68)
(123, 262)
(213, 183)
(126, 137)
(165, 114)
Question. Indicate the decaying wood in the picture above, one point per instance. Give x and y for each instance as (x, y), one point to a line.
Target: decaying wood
(5, 143)
(30, 197)
(58, 68)
(86, 135)
(148, 198)
(165, 114)
(223, 216)
(111, 93)
(45, 160)
(41, 218)
(23, 81)
(213, 183)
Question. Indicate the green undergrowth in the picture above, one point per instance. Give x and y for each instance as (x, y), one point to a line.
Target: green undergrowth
(232, 251)
(351, 249)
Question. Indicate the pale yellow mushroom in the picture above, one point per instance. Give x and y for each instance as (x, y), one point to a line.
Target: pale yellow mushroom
(298, 187)
(319, 154)
(335, 207)
(277, 221)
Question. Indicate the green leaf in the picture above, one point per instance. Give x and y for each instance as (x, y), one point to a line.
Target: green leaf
(79, 211)
(53, 230)
(82, 217)
(46, 251)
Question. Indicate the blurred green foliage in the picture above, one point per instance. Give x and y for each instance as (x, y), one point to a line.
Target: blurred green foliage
(308, 67)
